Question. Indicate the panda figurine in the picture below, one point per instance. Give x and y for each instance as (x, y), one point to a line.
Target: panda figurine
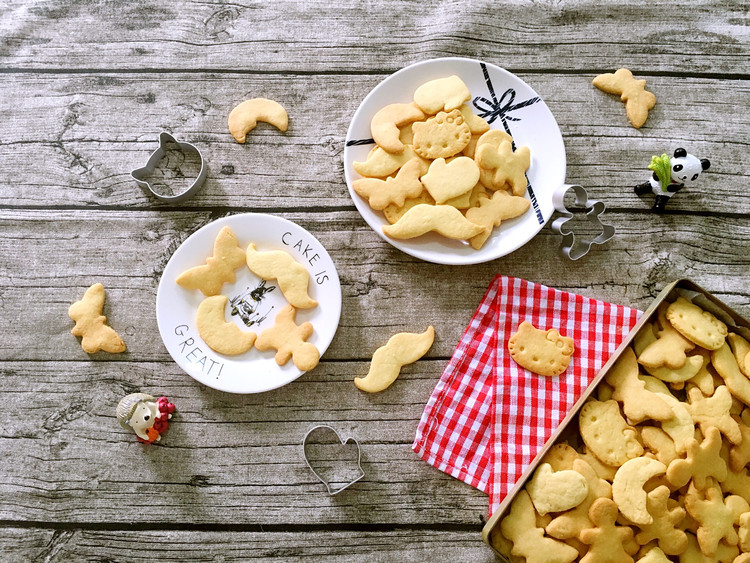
(671, 175)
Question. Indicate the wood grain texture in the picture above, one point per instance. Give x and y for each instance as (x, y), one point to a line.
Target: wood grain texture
(233, 460)
(70, 153)
(387, 293)
(85, 88)
(320, 36)
(342, 546)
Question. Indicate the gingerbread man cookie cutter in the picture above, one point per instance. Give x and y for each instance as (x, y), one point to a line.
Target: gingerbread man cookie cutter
(575, 246)
(140, 175)
(343, 440)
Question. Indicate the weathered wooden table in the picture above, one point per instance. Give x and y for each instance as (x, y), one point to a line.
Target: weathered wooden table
(86, 86)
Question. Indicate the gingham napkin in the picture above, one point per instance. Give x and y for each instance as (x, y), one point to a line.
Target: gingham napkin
(488, 417)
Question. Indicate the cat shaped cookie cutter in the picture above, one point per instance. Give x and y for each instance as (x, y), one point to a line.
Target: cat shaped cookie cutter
(343, 440)
(141, 174)
(573, 246)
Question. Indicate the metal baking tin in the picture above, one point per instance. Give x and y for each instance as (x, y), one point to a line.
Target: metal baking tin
(572, 246)
(141, 174)
(684, 287)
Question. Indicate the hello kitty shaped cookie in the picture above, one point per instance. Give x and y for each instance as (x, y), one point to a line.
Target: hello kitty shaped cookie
(542, 352)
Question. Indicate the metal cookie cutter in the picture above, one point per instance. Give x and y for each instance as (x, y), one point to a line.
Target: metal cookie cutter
(577, 247)
(141, 174)
(343, 441)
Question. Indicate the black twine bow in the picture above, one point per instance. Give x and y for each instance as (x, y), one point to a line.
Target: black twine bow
(491, 109)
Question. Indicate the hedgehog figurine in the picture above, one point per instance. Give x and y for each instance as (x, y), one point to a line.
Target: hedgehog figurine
(145, 415)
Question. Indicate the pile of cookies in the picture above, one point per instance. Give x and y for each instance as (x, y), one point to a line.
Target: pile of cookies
(285, 336)
(658, 467)
(438, 167)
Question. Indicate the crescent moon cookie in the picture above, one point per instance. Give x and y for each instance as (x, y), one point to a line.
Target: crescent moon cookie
(401, 349)
(92, 326)
(221, 336)
(627, 487)
(244, 117)
(385, 123)
(219, 268)
(292, 277)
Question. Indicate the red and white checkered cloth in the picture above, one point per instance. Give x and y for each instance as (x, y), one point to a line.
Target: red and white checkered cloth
(488, 417)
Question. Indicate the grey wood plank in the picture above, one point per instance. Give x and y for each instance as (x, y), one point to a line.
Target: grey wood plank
(66, 252)
(71, 151)
(227, 459)
(342, 546)
(708, 36)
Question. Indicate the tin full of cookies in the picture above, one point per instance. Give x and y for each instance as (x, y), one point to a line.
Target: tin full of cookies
(689, 354)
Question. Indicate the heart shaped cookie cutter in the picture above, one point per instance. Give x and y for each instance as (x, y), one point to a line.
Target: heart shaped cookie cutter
(344, 441)
(141, 174)
(572, 246)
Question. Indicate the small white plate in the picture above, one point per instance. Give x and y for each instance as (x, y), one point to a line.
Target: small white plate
(253, 371)
(515, 107)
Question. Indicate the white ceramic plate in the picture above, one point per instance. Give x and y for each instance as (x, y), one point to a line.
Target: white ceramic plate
(516, 108)
(253, 371)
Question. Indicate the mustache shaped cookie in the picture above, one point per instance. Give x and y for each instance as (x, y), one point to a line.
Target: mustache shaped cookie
(423, 218)
(291, 276)
(219, 335)
(92, 326)
(401, 349)
(218, 269)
